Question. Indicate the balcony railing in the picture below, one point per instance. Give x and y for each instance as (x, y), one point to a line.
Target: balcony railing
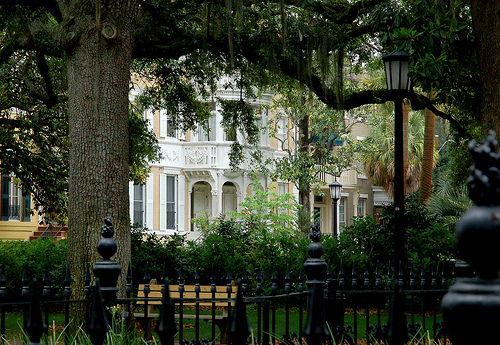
(200, 155)
(14, 212)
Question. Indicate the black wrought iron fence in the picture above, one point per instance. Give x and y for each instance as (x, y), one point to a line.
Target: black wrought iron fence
(347, 307)
(352, 313)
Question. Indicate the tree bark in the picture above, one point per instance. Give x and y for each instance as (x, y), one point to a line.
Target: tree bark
(406, 114)
(486, 23)
(98, 82)
(428, 158)
(304, 215)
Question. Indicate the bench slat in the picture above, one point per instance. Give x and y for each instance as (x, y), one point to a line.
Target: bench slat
(189, 293)
(188, 288)
(184, 316)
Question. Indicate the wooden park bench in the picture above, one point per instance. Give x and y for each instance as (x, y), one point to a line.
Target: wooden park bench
(189, 294)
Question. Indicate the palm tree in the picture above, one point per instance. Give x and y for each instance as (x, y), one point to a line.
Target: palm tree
(378, 155)
(428, 158)
(449, 201)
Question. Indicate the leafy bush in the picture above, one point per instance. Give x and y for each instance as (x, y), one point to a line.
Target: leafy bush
(36, 255)
(262, 236)
(154, 252)
(428, 239)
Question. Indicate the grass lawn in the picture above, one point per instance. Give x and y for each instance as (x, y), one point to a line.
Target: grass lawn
(14, 320)
(206, 327)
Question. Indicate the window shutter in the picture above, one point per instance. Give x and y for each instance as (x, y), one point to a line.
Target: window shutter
(131, 201)
(149, 202)
(163, 202)
(163, 123)
(26, 206)
(5, 197)
(181, 207)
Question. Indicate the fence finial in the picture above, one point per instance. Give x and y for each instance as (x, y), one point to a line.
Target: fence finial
(239, 329)
(107, 270)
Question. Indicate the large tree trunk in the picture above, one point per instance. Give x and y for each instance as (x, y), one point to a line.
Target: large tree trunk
(98, 79)
(428, 158)
(486, 23)
(304, 215)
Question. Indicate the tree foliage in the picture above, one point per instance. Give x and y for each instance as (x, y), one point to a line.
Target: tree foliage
(34, 143)
(378, 150)
(306, 40)
(429, 239)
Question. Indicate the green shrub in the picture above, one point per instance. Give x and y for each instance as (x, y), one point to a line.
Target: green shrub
(428, 240)
(225, 243)
(148, 249)
(264, 236)
(36, 255)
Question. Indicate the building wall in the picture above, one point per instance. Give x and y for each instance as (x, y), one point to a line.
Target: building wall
(16, 223)
(205, 182)
(355, 187)
(203, 177)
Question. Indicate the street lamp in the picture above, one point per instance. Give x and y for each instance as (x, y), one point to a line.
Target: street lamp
(398, 83)
(396, 72)
(335, 190)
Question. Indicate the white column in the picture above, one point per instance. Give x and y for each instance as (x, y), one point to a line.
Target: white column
(189, 211)
(239, 199)
(219, 194)
(150, 203)
(215, 203)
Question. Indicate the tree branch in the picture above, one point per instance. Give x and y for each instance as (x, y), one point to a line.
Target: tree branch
(44, 72)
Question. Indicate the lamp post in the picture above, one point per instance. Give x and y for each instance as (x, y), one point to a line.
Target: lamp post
(398, 82)
(335, 190)
(396, 72)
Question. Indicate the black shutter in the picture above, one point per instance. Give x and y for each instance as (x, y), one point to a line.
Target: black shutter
(4, 202)
(26, 214)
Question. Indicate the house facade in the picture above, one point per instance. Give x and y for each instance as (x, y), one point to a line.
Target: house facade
(195, 176)
(359, 197)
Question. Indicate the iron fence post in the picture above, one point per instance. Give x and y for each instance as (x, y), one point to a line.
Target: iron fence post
(98, 326)
(472, 305)
(35, 325)
(166, 327)
(315, 331)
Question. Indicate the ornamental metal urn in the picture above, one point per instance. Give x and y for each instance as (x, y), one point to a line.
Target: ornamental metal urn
(471, 308)
(107, 270)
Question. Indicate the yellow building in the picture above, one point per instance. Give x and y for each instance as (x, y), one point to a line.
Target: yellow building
(16, 221)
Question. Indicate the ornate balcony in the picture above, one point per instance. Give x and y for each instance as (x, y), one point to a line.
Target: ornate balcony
(201, 155)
